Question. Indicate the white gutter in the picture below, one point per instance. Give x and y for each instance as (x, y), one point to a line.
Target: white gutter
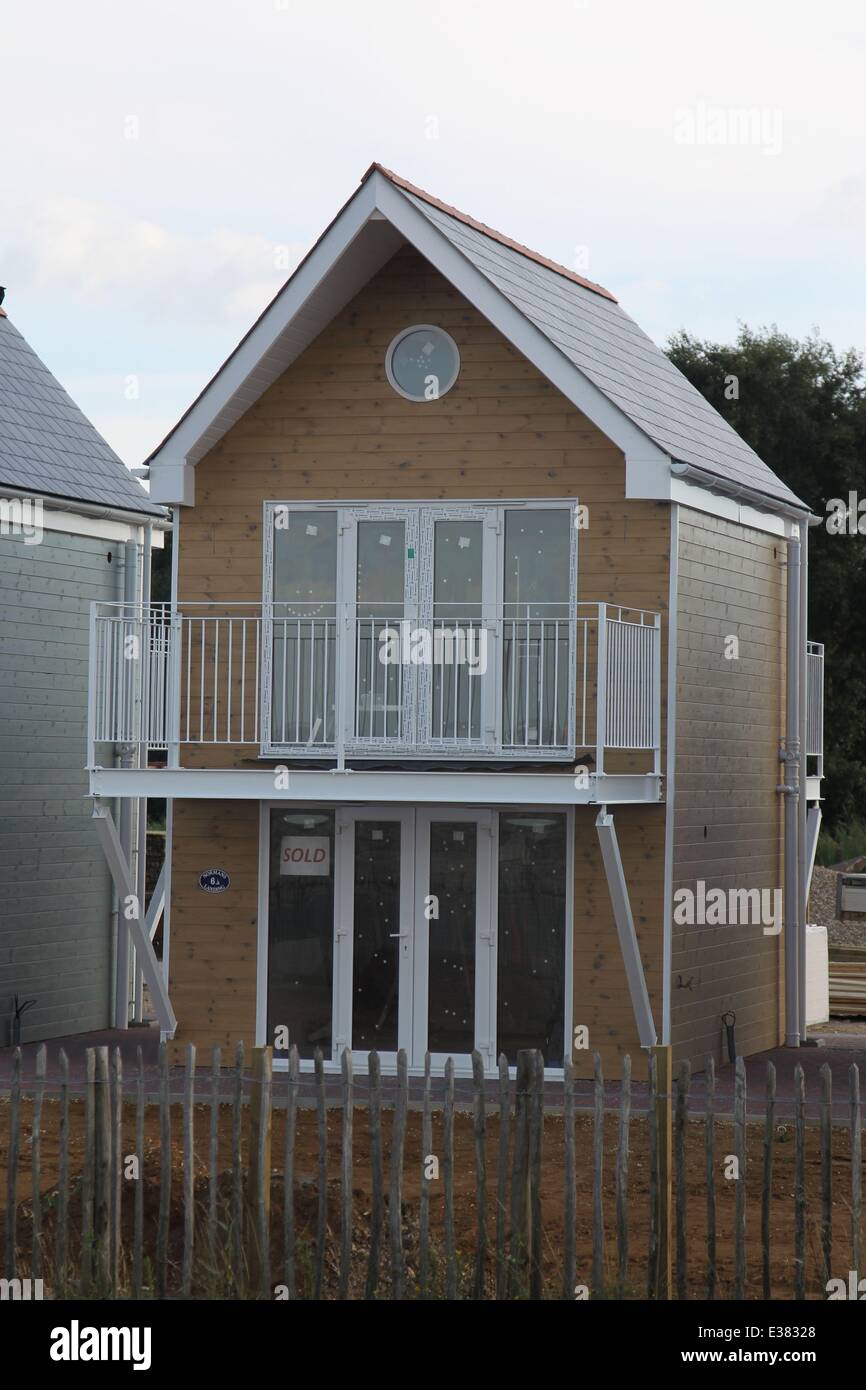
(704, 478)
(69, 504)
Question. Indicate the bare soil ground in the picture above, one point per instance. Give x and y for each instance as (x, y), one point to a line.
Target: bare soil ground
(466, 1215)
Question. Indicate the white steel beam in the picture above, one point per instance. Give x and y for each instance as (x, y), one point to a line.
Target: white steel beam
(358, 785)
(120, 873)
(628, 941)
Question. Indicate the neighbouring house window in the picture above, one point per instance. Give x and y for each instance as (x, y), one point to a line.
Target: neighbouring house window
(301, 929)
(531, 934)
(422, 363)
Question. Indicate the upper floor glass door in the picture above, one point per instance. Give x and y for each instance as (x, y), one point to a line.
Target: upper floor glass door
(434, 630)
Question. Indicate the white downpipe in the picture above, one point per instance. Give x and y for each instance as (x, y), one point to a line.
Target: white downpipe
(791, 792)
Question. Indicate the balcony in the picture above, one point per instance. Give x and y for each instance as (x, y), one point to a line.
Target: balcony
(516, 687)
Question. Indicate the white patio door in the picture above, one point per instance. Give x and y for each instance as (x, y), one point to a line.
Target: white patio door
(373, 938)
(455, 937)
(414, 935)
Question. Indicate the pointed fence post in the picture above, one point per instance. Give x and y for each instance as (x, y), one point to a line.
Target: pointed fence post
(664, 1123)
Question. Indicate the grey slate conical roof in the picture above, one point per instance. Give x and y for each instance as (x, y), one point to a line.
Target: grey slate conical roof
(47, 446)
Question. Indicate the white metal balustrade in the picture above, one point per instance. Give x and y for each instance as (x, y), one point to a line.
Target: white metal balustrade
(815, 702)
(524, 684)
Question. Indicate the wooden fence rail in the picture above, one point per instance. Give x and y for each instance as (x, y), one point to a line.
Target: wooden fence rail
(267, 1192)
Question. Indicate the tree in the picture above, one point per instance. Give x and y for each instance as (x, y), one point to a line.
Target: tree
(802, 408)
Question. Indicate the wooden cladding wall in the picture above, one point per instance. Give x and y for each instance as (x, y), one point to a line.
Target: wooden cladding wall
(728, 814)
(212, 960)
(332, 428)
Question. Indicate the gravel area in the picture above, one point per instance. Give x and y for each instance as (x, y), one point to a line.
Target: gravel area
(822, 909)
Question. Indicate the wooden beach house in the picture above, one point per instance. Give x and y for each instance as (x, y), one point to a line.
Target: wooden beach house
(486, 649)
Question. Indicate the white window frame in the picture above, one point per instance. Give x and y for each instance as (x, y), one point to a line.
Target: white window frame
(389, 370)
(413, 885)
(420, 517)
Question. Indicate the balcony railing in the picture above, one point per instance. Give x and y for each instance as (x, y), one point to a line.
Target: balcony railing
(815, 703)
(532, 684)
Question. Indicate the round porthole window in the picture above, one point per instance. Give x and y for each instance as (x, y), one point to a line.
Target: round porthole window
(422, 363)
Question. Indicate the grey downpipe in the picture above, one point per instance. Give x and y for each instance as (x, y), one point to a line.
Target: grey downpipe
(803, 807)
(791, 792)
(124, 829)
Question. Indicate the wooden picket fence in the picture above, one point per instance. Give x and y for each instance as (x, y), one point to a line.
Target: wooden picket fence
(226, 1237)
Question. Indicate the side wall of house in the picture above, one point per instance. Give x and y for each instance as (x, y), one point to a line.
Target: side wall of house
(55, 894)
(728, 814)
(331, 428)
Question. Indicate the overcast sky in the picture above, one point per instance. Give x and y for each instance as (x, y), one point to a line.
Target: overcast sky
(160, 161)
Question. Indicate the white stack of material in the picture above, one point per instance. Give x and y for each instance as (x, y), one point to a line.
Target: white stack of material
(817, 975)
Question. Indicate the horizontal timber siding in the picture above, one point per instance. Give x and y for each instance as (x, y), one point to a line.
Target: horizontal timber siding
(55, 894)
(728, 814)
(332, 428)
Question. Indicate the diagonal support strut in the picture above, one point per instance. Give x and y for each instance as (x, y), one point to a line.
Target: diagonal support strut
(138, 930)
(628, 943)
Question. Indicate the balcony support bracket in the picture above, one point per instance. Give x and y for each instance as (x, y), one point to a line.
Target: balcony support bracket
(130, 913)
(628, 942)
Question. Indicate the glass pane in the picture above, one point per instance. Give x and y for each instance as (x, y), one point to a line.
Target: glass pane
(380, 597)
(381, 568)
(531, 945)
(457, 569)
(376, 955)
(304, 628)
(537, 563)
(424, 363)
(451, 982)
(301, 928)
(535, 629)
(535, 677)
(457, 634)
(305, 564)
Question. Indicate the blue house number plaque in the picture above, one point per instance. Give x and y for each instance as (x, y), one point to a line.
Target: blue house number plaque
(214, 880)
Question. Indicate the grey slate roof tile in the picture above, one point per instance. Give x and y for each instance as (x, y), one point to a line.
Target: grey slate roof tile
(609, 348)
(47, 446)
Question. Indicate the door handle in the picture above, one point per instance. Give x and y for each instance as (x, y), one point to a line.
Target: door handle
(397, 935)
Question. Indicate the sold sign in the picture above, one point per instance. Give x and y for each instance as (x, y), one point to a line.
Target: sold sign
(308, 855)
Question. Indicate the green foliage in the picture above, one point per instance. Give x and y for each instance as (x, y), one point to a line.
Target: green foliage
(847, 842)
(802, 408)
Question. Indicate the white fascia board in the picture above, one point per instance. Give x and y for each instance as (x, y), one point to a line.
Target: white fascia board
(103, 528)
(181, 446)
(498, 310)
(172, 483)
(698, 499)
(356, 786)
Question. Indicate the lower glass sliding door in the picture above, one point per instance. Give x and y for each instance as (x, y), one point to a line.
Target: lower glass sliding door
(373, 936)
(436, 930)
(454, 937)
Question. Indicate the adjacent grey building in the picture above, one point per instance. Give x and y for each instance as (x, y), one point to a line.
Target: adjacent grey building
(75, 526)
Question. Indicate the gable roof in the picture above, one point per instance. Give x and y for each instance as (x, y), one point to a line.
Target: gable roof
(573, 329)
(47, 446)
